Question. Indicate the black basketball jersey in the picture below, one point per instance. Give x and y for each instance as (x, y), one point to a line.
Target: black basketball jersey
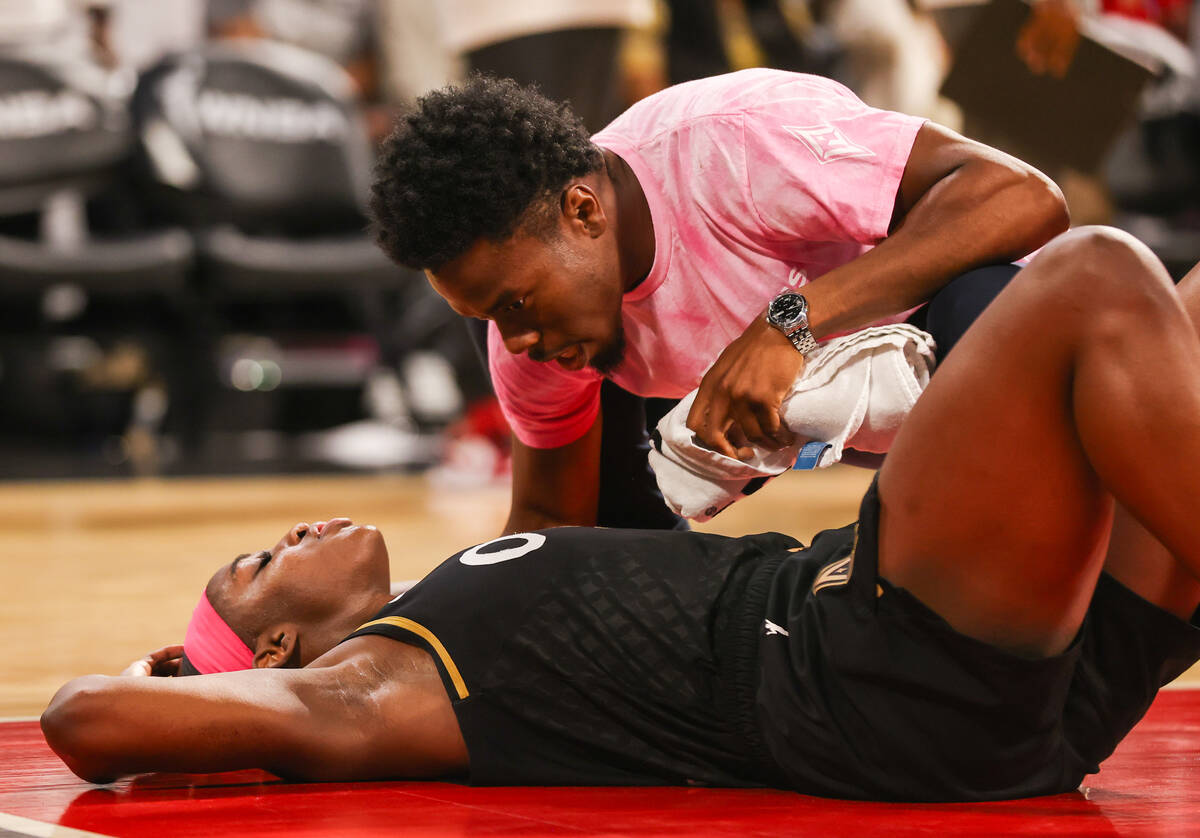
(591, 656)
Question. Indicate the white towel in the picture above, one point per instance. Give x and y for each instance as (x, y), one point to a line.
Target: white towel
(854, 393)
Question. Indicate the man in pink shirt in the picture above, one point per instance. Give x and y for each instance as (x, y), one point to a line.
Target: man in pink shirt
(653, 253)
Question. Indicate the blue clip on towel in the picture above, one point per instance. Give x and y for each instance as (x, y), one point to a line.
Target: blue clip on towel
(810, 455)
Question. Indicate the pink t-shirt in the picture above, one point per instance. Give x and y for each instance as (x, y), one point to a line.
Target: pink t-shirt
(757, 181)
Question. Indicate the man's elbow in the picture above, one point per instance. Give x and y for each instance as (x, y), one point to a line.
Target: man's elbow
(1047, 203)
(1033, 201)
(73, 725)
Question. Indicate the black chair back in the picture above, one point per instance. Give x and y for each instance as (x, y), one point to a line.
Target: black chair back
(60, 126)
(260, 135)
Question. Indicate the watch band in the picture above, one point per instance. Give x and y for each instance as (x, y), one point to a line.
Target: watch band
(803, 340)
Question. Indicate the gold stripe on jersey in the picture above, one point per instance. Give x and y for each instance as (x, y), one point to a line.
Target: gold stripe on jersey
(429, 637)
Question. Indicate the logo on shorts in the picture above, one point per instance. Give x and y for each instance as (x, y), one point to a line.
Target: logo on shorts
(827, 143)
(772, 628)
(835, 574)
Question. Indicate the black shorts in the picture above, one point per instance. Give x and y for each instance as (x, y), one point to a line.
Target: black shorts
(579, 656)
(867, 693)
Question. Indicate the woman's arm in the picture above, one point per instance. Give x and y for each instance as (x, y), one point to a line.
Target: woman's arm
(375, 709)
(107, 727)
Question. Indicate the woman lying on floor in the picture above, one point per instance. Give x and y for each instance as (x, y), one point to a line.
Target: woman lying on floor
(1019, 585)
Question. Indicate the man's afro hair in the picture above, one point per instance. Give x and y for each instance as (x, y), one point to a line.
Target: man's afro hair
(467, 162)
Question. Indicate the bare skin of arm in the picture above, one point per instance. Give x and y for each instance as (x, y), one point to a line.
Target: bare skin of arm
(371, 708)
(960, 205)
(556, 486)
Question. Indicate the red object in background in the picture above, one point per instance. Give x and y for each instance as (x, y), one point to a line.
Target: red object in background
(1150, 787)
(485, 418)
(1155, 11)
(478, 449)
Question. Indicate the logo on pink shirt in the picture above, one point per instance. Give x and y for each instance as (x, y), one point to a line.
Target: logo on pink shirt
(827, 143)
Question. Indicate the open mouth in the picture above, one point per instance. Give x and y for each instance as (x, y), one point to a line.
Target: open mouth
(574, 358)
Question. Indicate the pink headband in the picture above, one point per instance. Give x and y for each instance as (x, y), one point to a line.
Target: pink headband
(211, 645)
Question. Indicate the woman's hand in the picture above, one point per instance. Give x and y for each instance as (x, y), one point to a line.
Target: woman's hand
(161, 663)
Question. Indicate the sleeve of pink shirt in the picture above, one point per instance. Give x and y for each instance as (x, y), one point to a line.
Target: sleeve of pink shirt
(823, 166)
(545, 405)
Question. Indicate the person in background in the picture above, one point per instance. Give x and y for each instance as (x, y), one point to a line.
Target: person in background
(341, 30)
(130, 34)
(547, 42)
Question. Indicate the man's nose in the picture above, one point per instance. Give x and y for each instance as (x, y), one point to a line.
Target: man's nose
(520, 340)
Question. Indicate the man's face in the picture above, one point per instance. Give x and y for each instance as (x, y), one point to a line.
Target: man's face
(556, 297)
(310, 575)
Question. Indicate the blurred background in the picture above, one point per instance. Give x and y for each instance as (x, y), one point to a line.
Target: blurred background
(191, 307)
(187, 286)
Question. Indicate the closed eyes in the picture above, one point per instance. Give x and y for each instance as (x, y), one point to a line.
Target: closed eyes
(263, 557)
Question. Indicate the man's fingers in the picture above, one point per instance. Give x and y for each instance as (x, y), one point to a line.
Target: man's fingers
(741, 445)
(749, 422)
(720, 442)
(775, 433)
(732, 428)
(762, 425)
(737, 438)
(716, 437)
(703, 406)
(752, 431)
(709, 420)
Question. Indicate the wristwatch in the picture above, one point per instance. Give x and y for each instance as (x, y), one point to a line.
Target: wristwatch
(789, 314)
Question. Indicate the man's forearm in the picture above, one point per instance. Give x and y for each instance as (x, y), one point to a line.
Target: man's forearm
(554, 487)
(991, 208)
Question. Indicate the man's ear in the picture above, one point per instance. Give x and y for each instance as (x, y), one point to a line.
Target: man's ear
(581, 205)
(277, 646)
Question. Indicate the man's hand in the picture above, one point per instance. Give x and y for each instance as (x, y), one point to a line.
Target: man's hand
(162, 663)
(741, 394)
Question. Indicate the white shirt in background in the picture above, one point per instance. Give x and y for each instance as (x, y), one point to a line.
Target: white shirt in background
(470, 24)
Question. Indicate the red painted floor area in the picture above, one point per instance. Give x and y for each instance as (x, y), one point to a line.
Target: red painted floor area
(1150, 787)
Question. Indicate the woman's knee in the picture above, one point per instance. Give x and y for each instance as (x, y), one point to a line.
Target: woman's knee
(1094, 270)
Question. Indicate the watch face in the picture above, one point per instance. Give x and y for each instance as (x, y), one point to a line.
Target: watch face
(787, 309)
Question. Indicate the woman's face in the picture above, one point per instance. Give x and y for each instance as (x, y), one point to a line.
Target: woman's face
(310, 575)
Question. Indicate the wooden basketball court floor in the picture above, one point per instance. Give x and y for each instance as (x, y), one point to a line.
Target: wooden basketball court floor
(98, 573)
